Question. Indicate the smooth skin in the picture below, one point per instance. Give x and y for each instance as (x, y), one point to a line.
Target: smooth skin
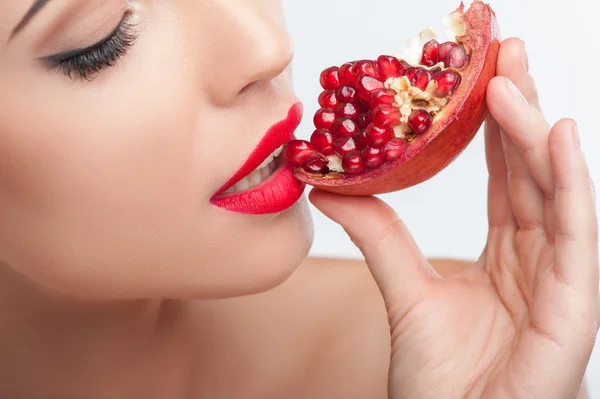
(105, 213)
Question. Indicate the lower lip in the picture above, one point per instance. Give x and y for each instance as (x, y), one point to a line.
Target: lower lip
(278, 193)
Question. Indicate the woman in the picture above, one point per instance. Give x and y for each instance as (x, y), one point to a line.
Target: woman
(123, 277)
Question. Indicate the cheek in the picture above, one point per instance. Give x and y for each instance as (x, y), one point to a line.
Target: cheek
(95, 176)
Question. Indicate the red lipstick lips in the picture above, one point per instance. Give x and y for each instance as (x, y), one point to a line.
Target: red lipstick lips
(281, 190)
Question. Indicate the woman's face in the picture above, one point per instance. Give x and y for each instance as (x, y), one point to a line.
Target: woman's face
(112, 158)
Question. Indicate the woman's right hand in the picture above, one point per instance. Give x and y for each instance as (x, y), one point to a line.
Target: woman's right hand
(520, 322)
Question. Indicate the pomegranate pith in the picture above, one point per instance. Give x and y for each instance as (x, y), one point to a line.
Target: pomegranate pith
(396, 121)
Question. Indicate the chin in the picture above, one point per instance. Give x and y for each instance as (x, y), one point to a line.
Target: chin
(261, 267)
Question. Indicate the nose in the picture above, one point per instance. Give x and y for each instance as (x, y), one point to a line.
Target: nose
(252, 48)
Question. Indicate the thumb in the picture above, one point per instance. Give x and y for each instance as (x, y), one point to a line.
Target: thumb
(396, 262)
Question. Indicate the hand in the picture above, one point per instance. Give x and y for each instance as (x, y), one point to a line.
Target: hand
(521, 321)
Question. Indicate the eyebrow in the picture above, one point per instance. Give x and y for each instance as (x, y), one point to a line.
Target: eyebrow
(33, 10)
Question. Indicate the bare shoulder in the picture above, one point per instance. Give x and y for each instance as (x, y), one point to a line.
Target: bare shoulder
(322, 334)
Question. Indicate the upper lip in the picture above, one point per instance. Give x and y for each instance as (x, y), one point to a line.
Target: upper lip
(278, 135)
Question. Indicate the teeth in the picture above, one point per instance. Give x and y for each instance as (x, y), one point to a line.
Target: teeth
(242, 185)
(278, 152)
(255, 178)
(265, 173)
(259, 175)
(266, 162)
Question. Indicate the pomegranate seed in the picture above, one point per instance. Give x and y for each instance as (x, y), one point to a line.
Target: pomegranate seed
(386, 116)
(382, 96)
(390, 67)
(365, 85)
(419, 121)
(372, 157)
(344, 127)
(347, 110)
(318, 165)
(344, 145)
(447, 81)
(445, 49)
(324, 118)
(365, 67)
(329, 78)
(364, 120)
(421, 78)
(377, 137)
(322, 141)
(457, 57)
(346, 94)
(346, 77)
(364, 105)
(395, 148)
(327, 99)
(299, 152)
(361, 139)
(353, 163)
(410, 73)
(431, 52)
(435, 72)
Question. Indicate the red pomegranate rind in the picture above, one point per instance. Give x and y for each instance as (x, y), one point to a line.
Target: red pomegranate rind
(453, 129)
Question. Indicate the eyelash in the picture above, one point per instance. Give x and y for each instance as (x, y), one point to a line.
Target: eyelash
(88, 62)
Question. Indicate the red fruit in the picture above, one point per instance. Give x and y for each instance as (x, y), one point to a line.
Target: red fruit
(382, 96)
(328, 99)
(377, 137)
(386, 116)
(324, 118)
(447, 82)
(445, 49)
(346, 94)
(344, 145)
(346, 77)
(364, 120)
(431, 52)
(299, 152)
(421, 78)
(329, 78)
(365, 67)
(318, 165)
(410, 73)
(361, 139)
(347, 110)
(372, 157)
(395, 148)
(389, 67)
(419, 121)
(433, 139)
(344, 127)
(353, 163)
(322, 141)
(365, 85)
(457, 58)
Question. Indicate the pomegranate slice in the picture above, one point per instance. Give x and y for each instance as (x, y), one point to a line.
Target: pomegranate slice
(397, 121)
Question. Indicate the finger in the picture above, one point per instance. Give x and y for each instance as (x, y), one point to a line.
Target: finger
(526, 197)
(395, 261)
(513, 64)
(523, 120)
(576, 239)
(500, 213)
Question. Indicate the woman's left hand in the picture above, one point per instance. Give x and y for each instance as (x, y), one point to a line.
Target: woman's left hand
(521, 322)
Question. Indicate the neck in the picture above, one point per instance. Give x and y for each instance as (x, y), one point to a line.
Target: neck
(61, 346)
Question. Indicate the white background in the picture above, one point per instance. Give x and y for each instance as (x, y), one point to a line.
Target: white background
(447, 215)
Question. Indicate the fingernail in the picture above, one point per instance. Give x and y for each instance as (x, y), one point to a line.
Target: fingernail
(575, 133)
(516, 92)
(524, 57)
